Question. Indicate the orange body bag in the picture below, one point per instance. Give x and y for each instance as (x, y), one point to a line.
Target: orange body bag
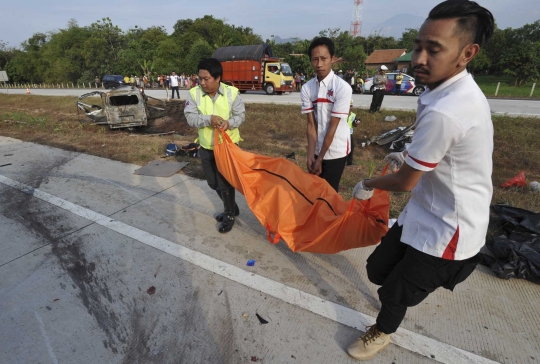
(301, 208)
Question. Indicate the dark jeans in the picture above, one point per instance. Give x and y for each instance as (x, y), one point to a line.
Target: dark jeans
(350, 155)
(214, 179)
(376, 101)
(398, 88)
(175, 88)
(407, 276)
(332, 169)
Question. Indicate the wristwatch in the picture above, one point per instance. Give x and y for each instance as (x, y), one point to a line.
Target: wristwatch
(366, 187)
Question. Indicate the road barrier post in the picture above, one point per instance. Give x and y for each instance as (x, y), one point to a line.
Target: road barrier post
(532, 90)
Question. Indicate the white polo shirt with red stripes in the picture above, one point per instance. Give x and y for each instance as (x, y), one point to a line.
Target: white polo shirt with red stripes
(330, 97)
(448, 213)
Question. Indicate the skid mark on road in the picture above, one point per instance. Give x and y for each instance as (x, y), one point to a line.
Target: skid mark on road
(406, 339)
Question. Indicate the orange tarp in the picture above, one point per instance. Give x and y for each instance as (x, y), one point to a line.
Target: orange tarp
(301, 208)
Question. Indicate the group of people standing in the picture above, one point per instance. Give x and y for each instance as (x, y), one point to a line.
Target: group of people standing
(437, 238)
(162, 81)
(299, 80)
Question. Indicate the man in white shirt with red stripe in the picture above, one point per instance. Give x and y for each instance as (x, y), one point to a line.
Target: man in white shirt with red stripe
(437, 238)
(325, 100)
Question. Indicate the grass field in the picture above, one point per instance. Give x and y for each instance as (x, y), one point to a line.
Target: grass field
(488, 84)
(274, 130)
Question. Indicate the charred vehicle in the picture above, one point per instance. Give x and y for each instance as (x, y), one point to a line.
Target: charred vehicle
(122, 107)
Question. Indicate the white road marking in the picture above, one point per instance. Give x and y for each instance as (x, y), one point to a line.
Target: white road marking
(406, 339)
(46, 338)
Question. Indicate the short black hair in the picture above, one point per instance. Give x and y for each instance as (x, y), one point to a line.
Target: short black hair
(474, 20)
(213, 66)
(322, 41)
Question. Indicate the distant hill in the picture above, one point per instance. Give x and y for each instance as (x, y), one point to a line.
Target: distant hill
(280, 40)
(395, 26)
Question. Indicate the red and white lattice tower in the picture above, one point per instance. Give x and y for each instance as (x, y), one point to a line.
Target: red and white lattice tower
(356, 23)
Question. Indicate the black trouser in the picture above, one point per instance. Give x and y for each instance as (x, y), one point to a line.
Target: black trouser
(407, 276)
(398, 88)
(214, 179)
(376, 101)
(350, 155)
(332, 169)
(175, 88)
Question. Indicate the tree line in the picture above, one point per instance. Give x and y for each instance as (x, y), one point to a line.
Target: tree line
(77, 54)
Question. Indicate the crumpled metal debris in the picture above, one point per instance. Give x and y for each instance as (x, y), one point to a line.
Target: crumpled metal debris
(122, 107)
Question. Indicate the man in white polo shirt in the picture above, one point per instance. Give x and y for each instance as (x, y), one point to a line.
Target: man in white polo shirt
(325, 100)
(437, 238)
(174, 85)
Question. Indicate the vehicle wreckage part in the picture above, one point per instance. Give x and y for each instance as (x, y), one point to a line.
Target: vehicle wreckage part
(123, 107)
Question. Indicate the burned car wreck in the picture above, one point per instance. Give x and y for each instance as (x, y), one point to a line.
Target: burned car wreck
(122, 107)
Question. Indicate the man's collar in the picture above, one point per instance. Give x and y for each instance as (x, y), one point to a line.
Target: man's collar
(430, 95)
(221, 90)
(327, 79)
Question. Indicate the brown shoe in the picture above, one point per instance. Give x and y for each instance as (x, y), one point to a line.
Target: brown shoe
(369, 344)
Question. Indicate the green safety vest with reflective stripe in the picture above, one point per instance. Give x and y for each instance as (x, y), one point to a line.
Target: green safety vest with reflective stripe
(350, 121)
(221, 107)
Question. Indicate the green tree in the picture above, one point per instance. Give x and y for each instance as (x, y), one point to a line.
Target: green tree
(354, 58)
(522, 62)
(480, 63)
(200, 49)
(167, 56)
(407, 39)
(102, 49)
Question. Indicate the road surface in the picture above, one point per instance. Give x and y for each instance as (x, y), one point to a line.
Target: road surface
(498, 106)
(100, 265)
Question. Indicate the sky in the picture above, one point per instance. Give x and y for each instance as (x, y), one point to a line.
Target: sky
(19, 20)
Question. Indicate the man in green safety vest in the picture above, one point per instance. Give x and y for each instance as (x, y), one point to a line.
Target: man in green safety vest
(353, 122)
(213, 105)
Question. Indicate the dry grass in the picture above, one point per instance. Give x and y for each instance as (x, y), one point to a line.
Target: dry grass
(275, 130)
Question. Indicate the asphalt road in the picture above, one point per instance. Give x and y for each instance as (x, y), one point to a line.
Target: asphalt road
(101, 265)
(498, 106)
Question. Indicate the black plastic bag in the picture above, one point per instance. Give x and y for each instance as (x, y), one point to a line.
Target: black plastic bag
(518, 253)
(190, 150)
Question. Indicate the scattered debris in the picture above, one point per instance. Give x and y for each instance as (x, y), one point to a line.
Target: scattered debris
(399, 145)
(292, 356)
(518, 181)
(56, 299)
(48, 308)
(245, 316)
(432, 356)
(151, 290)
(261, 320)
(251, 263)
(191, 150)
(291, 156)
(159, 168)
(535, 186)
(390, 118)
(7, 164)
(162, 134)
(254, 358)
(8, 155)
(517, 252)
(171, 149)
(14, 122)
(390, 135)
(220, 292)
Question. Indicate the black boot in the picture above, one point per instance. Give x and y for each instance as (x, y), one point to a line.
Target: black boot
(228, 215)
(219, 217)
